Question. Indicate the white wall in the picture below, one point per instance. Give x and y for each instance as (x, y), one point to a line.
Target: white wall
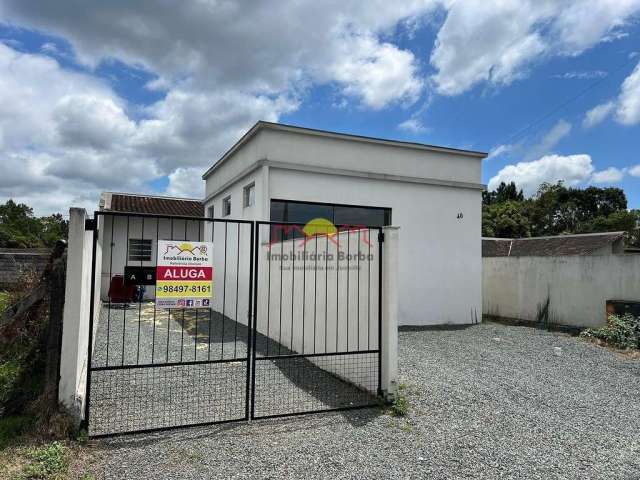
(440, 259)
(577, 287)
(75, 327)
(303, 149)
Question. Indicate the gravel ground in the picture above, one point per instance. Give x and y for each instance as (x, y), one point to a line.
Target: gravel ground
(488, 401)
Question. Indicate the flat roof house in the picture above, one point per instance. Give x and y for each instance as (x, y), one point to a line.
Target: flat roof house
(290, 174)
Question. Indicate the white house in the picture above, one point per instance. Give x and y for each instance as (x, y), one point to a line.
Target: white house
(283, 173)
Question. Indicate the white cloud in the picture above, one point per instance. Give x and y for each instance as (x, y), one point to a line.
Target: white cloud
(496, 41)
(186, 182)
(635, 171)
(231, 66)
(572, 169)
(598, 114)
(268, 48)
(560, 130)
(66, 137)
(588, 75)
(608, 175)
(628, 111)
(412, 125)
(378, 74)
(498, 151)
(625, 108)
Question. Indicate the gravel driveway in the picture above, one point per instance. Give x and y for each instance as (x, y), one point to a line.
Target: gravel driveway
(488, 401)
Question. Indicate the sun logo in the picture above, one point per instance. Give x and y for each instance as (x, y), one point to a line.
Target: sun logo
(185, 247)
(319, 226)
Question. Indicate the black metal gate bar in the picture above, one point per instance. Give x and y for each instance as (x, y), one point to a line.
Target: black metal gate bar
(287, 379)
(141, 391)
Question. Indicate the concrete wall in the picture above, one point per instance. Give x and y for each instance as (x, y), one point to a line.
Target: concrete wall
(577, 287)
(76, 315)
(439, 279)
(15, 262)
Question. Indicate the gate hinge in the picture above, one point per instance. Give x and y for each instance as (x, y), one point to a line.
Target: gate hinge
(380, 237)
(90, 224)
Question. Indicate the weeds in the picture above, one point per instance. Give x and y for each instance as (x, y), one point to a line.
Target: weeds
(400, 405)
(621, 332)
(48, 462)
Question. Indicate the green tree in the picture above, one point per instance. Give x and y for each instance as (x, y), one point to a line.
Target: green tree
(503, 193)
(508, 219)
(557, 209)
(19, 228)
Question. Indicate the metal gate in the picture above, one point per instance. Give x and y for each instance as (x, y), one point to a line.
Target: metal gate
(155, 368)
(316, 342)
(293, 326)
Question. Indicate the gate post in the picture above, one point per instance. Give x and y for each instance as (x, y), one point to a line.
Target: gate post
(389, 293)
(75, 323)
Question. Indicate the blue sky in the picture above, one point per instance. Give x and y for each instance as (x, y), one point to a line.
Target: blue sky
(140, 98)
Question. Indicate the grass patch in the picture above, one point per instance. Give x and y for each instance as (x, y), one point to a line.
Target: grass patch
(621, 332)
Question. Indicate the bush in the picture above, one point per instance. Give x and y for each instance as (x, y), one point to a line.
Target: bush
(621, 331)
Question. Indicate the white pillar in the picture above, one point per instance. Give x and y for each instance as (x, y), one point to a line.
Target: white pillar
(75, 324)
(390, 311)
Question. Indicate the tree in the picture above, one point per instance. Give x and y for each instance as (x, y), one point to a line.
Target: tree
(557, 209)
(19, 228)
(504, 193)
(508, 219)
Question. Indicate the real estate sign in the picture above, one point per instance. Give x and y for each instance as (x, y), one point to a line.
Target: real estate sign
(184, 274)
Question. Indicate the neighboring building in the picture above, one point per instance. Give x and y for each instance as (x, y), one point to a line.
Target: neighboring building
(140, 249)
(283, 173)
(150, 204)
(568, 279)
(607, 243)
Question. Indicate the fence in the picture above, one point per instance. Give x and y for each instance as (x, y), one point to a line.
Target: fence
(566, 290)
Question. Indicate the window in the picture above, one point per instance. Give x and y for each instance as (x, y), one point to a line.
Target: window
(210, 211)
(249, 195)
(302, 212)
(139, 250)
(226, 207)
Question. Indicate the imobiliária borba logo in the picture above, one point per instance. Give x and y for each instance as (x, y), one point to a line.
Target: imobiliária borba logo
(346, 243)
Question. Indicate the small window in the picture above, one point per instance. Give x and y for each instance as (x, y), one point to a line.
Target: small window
(210, 212)
(139, 250)
(249, 195)
(226, 207)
